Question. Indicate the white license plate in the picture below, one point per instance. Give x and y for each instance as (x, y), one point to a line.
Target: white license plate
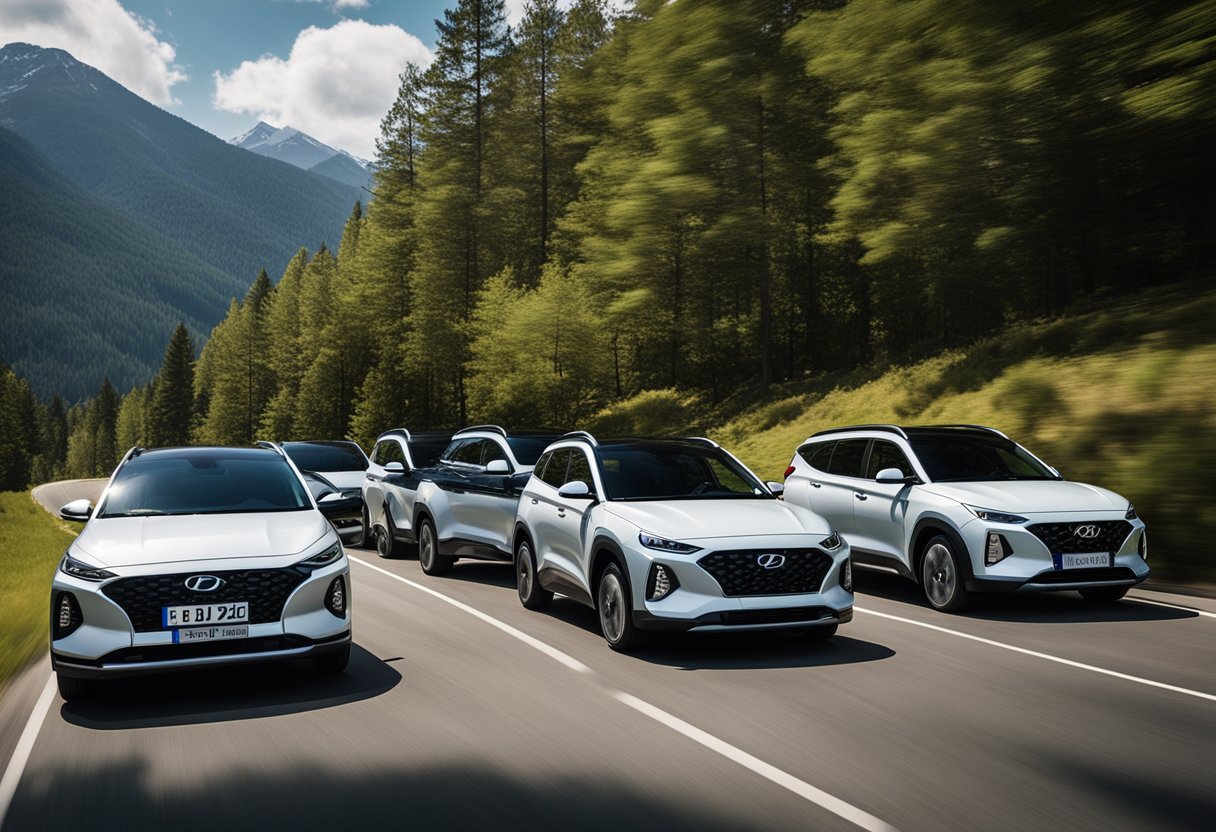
(191, 634)
(196, 615)
(1088, 560)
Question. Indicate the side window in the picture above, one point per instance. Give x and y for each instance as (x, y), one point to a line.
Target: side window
(378, 453)
(847, 457)
(491, 451)
(539, 467)
(392, 452)
(886, 455)
(728, 480)
(817, 454)
(555, 472)
(467, 451)
(580, 469)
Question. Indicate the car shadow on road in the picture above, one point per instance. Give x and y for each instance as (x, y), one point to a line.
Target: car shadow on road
(490, 573)
(1026, 608)
(731, 651)
(225, 694)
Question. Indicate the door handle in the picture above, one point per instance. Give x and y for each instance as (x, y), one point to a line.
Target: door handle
(535, 501)
(859, 495)
(561, 512)
(816, 485)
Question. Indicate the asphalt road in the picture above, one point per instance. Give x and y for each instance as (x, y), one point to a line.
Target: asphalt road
(462, 710)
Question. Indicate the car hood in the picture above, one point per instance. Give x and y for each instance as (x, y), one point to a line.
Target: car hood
(134, 541)
(1030, 496)
(697, 519)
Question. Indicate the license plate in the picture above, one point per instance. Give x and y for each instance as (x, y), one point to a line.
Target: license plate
(1088, 560)
(196, 615)
(191, 634)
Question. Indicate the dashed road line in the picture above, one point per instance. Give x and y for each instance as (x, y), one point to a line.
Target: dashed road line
(1139, 600)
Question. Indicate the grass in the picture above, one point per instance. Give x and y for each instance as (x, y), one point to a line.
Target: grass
(1123, 397)
(32, 542)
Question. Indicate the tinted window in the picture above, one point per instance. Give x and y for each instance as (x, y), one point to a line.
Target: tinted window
(310, 457)
(426, 452)
(527, 449)
(464, 450)
(886, 455)
(580, 469)
(389, 451)
(817, 454)
(206, 482)
(491, 451)
(971, 458)
(658, 471)
(555, 469)
(847, 457)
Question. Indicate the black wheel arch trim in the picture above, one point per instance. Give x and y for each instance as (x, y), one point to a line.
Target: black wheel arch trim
(944, 529)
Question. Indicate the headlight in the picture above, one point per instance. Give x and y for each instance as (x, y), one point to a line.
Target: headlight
(994, 516)
(70, 566)
(662, 544)
(832, 542)
(330, 555)
(1131, 512)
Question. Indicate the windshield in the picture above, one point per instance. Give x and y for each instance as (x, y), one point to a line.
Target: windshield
(205, 483)
(316, 457)
(527, 449)
(671, 471)
(977, 459)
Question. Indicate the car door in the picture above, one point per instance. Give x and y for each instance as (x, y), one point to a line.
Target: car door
(391, 489)
(836, 493)
(880, 515)
(458, 476)
(492, 499)
(567, 549)
(545, 503)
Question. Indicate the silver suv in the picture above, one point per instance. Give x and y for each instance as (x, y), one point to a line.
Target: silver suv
(963, 508)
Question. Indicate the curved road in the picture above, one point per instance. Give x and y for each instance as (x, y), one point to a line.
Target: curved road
(462, 710)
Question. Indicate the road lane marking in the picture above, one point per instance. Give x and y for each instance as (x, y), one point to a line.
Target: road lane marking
(25, 745)
(1171, 606)
(552, 652)
(1068, 662)
(803, 789)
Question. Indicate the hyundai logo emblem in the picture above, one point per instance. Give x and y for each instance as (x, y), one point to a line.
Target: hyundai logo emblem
(1088, 532)
(204, 583)
(771, 561)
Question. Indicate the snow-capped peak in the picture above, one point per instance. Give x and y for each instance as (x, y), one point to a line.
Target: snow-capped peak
(288, 145)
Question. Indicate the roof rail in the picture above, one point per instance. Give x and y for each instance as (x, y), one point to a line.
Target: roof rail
(707, 441)
(490, 428)
(398, 432)
(984, 428)
(273, 446)
(896, 429)
(132, 453)
(579, 434)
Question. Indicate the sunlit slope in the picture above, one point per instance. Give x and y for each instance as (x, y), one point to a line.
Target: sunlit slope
(1124, 397)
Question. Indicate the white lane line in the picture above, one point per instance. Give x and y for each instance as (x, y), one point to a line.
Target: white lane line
(1171, 606)
(1069, 662)
(769, 772)
(552, 652)
(25, 745)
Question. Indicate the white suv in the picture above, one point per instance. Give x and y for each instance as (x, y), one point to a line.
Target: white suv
(194, 557)
(675, 534)
(963, 508)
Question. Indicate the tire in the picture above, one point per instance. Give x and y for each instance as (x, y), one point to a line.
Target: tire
(333, 662)
(429, 558)
(1104, 594)
(386, 546)
(941, 576)
(72, 689)
(367, 537)
(615, 611)
(818, 635)
(531, 594)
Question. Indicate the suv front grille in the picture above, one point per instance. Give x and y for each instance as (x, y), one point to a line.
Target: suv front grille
(740, 573)
(1061, 538)
(266, 590)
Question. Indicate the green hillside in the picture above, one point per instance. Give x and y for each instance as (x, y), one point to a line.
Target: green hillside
(1121, 396)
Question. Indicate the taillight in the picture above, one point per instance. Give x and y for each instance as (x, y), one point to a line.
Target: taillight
(787, 473)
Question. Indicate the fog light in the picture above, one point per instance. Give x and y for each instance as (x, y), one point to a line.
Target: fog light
(846, 574)
(335, 597)
(66, 616)
(1142, 547)
(997, 549)
(662, 582)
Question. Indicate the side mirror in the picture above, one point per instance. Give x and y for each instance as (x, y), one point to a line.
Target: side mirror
(394, 468)
(777, 488)
(78, 510)
(575, 490)
(893, 476)
(498, 466)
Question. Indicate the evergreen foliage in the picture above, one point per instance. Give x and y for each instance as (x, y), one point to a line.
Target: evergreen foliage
(171, 413)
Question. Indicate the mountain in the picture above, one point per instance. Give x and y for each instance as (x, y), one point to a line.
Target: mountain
(296, 147)
(222, 213)
(88, 291)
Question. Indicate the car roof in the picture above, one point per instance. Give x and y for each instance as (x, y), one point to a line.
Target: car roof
(206, 452)
(914, 431)
(330, 442)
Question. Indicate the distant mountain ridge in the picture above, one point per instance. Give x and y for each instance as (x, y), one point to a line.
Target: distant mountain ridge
(222, 213)
(287, 144)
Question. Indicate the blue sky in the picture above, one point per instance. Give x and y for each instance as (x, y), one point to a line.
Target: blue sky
(328, 67)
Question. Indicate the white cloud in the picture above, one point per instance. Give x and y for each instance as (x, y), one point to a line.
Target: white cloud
(336, 84)
(100, 33)
(350, 4)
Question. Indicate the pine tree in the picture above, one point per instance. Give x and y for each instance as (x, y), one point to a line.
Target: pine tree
(106, 405)
(283, 333)
(171, 414)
